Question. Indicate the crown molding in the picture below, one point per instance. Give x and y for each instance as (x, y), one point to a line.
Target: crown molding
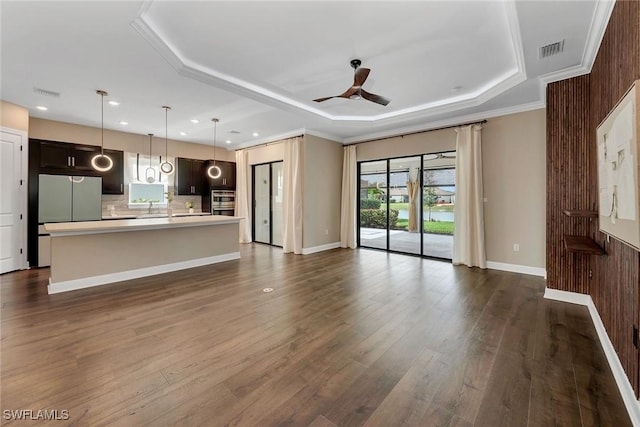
(597, 29)
(424, 127)
(189, 69)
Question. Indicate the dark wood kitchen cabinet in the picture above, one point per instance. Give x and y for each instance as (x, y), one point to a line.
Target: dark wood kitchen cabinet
(227, 180)
(113, 180)
(63, 158)
(190, 176)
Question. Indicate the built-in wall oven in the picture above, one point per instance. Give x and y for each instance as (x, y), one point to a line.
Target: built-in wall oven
(223, 202)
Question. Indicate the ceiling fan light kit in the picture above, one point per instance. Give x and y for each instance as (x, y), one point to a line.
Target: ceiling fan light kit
(355, 91)
(102, 162)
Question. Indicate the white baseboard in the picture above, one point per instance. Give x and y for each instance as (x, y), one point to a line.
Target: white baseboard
(515, 268)
(626, 390)
(87, 282)
(313, 250)
(564, 296)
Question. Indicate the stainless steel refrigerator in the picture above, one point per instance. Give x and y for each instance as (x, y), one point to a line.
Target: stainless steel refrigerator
(64, 198)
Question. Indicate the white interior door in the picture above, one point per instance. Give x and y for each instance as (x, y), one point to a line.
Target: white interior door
(11, 233)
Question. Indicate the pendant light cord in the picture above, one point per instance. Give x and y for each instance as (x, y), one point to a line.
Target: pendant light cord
(166, 118)
(215, 127)
(102, 124)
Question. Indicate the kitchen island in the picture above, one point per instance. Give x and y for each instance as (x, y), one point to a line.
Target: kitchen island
(92, 253)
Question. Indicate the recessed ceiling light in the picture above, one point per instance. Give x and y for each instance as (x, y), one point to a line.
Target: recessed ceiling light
(123, 123)
(256, 134)
(183, 133)
(41, 108)
(114, 103)
(195, 121)
(228, 141)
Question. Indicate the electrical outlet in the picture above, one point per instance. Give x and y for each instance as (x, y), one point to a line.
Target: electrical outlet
(326, 232)
(516, 247)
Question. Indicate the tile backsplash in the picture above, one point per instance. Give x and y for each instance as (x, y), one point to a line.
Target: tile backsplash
(120, 204)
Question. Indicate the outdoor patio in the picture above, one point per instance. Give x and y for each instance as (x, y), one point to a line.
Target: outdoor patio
(435, 245)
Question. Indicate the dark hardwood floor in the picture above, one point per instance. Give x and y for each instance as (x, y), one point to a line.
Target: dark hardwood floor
(347, 338)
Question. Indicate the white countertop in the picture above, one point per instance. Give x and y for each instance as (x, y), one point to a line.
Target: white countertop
(156, 215)
(97, 227)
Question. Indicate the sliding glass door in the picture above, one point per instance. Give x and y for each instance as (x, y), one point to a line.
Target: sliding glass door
(373, 204)
(267, 203)
(406, 204)
(438, 201)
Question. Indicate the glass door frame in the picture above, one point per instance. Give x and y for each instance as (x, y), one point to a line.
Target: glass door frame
(387, 203)
(253, 203)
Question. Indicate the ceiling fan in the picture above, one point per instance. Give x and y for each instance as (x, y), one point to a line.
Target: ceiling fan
(356, 91)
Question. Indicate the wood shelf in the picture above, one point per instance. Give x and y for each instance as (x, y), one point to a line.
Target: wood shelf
(582, 244)
(580, 213)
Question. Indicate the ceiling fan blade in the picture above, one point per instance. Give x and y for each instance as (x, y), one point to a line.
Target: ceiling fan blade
(348, 92)
(360, 76)
(323, 99)
(374, 98)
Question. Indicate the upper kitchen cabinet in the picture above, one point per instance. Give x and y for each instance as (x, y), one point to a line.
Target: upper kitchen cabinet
(67, 157)
(113, 180)
(190, 176)
(74, 159)
(227, 179)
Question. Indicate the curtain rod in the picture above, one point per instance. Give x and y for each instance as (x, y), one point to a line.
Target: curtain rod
(266, 144)
(481, 122)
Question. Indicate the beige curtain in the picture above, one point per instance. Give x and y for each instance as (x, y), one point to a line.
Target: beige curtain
(292, 200)
(243, 198)
(349, 198)
(412, 189)
(468, 239)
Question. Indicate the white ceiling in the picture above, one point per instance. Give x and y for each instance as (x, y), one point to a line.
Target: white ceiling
(258, 65)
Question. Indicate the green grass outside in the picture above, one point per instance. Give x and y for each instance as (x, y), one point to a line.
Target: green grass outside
(405, 207)
(436, 227)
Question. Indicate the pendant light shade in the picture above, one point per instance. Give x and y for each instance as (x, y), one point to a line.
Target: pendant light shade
(150, 173)
(214, 170)
(102, 162)
(166, 167)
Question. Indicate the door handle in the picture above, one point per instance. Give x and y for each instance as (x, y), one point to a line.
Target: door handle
(73, 161)
(122, 188)
(69, 161)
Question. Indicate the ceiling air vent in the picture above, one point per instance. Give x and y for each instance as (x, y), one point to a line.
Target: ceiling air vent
(551, 49)
(45, 92)
(234, 131)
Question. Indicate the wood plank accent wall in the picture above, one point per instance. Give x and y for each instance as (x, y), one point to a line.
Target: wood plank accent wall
(575, 108)
(569, 179)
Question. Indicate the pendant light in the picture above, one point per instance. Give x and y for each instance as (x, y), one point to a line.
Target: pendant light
(102, 162)
(150, 173)
(214, 170)
(166, 167)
